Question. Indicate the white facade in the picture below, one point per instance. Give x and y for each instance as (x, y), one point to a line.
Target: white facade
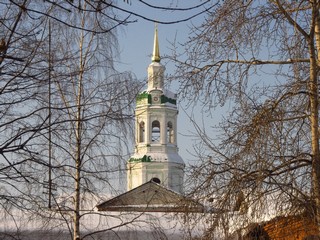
(156, 153)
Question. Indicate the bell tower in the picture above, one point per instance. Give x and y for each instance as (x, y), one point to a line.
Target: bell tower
(156, 155)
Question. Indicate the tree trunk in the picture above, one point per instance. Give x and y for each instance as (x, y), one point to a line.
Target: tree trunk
(78, 129)
(314, 114)
(78, 167)
(314, 119)
(314, 122)
(76, 235)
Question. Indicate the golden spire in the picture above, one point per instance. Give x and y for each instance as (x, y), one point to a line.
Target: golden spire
(156, 52)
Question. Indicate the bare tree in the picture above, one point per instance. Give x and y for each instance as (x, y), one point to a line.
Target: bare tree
(91, 115)
(65, 111)
(37, 66)
(21, 84)
(261, 59)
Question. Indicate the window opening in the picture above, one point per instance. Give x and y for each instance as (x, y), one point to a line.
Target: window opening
(170, 133)
(155, 131)
(141, 132)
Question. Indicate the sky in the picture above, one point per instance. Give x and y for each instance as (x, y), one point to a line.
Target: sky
(136, 45)
(136, 39)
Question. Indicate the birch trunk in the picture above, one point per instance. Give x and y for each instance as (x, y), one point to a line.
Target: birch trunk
(77, 179)
(78, 165)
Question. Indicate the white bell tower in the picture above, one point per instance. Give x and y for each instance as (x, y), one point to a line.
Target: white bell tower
(156, 155)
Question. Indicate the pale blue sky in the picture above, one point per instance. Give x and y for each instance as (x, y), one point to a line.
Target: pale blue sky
(136, 39)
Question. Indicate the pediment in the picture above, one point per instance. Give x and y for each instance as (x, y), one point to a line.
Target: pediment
(151, 197)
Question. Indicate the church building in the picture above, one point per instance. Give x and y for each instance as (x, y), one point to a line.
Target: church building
(155, 171)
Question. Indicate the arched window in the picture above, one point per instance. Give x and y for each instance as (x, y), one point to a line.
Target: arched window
(155, 137)
(156, 180)
(141, 132)
(170, 133)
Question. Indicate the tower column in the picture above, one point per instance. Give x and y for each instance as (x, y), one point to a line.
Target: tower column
(148, 129)
(175, 132)
(163, 131)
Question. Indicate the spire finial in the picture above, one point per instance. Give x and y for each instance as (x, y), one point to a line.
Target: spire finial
(156, 52)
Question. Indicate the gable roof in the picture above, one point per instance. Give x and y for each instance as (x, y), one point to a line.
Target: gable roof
(151, 197)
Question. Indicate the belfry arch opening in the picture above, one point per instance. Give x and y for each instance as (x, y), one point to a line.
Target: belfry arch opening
(141, 132)
(155, 137)
(170, 133)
